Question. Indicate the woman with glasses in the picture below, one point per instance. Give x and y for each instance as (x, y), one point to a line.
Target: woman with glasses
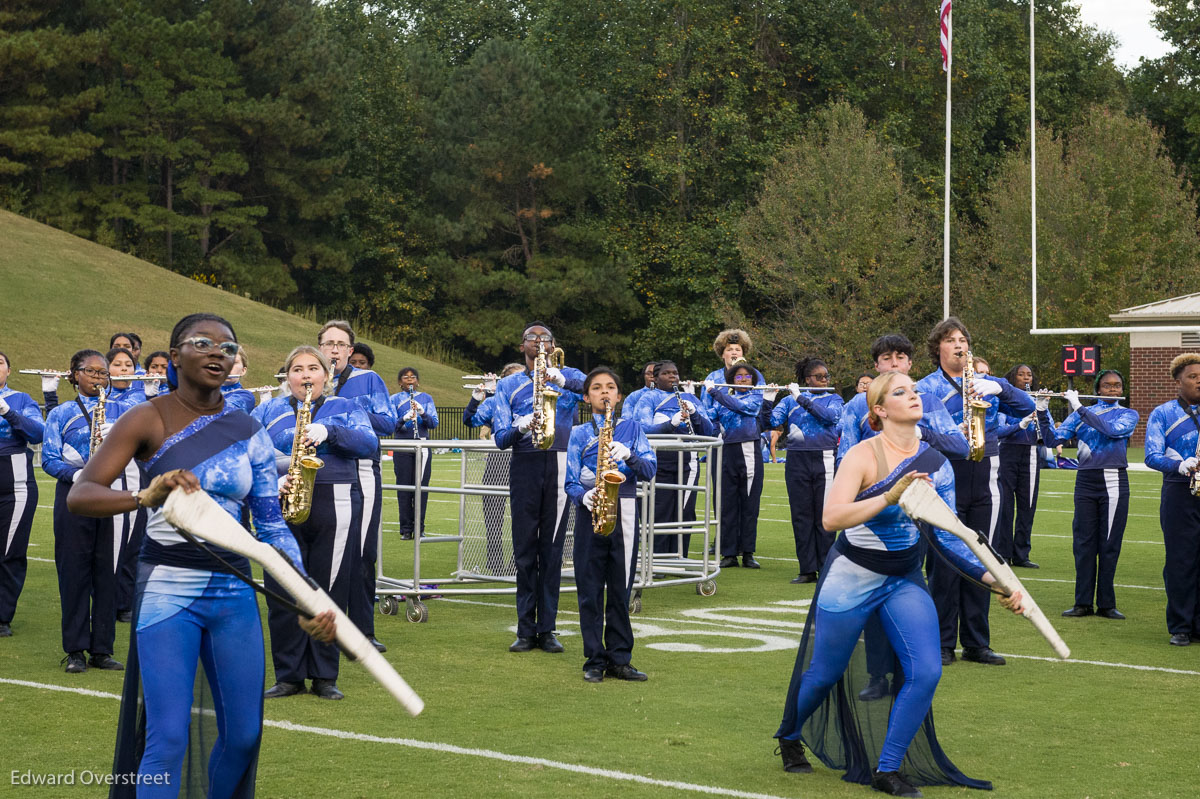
(341, 434)
(20, 426)
(418, 415)
(192, 608)
(83, 546)
(812, 435)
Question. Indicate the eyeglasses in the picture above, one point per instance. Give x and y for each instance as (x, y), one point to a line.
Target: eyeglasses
(204, 345)
(336, 345)
(98, 373)
(545, 338)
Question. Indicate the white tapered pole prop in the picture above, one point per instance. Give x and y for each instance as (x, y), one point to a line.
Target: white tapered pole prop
(922, 503)
(200, 515)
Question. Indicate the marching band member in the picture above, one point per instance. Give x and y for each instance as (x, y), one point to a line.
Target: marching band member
(20, 426)
(536, 488)
(1019, 478)
(1173, 448)
(342, 435)
(893, 352)
(362, 356)
(730, 346)
(737, 413)
(659, 412)
(629, 407)
(874, 572)
(863, 382)
(812, 420)
(191, 608)
(605, 563)
(127, 392)
(127, 527)
(155, 364)
(962, 605)
(131, 342)
(479, 414)
(85, 549)
(418, 415)
(235, 394)
(369, 392)
(1101, 489)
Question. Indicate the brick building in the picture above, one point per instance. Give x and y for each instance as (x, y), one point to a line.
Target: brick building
(1150, 354)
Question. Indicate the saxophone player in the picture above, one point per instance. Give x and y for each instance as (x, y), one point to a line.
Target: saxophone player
(342, 434)
(605, 563)
(963, 606)
(418, 415)
(536, 482)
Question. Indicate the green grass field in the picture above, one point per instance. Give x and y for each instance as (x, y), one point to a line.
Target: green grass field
(1116, 721)
(61, 293)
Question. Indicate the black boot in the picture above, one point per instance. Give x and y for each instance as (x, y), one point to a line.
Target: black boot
(876, 689)
(891, 783)
(794, 760)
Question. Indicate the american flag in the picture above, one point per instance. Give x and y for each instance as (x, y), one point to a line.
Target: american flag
(945, 19)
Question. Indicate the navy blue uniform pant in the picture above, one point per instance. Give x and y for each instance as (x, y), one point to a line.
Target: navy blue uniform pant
(962, 605)
(808, 474)
(328, 542)
(539, 528)
(85, 553)
(1101, 509)
(741, 491)
(667, 500)
(604, 570)
(405, 466)
(1179, 516)
(18, 501)
(1019, 478)
(362, 598)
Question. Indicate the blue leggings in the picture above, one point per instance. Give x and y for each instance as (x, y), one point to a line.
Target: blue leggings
(226, 634)
(910, 621)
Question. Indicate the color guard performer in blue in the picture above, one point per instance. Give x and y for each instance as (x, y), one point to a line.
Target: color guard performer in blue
(190, 606)
(86, 550)
(536, 489)
(660, 413)
(604, 564)
(874, 572)
(737, 414)
(962, 605)
(1020, 470)
(1173, 448)
(812, 436)
(366, 389)
(20, 425)
(479, 414)
(418, 415)
(328, 539)
(1101, 489)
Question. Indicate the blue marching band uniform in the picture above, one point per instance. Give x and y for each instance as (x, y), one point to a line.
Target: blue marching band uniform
(1020, 476)
(237, 396)
(404, 462)
(20, 426)
(737, 414)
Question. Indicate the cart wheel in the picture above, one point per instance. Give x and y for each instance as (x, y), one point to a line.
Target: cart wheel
(389, 605)
(635, 605)
(706, 588)
(417, 612)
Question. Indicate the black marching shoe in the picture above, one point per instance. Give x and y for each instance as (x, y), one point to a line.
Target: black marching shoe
(406, 536)
(593, 675)
(891, 783)
(948, 655)
(794, 760)
(876, 689)
(749, 562)
(729, 562)
(5, 630)
(375, 642)
(327, 689)
(982, 655)
(626, 671)
(550, 643)
(1109, 613)
(804, 577)
(1077, 611)
(105, 662)
(283, 688)
(77, 665)
(1025, 564)
(523, 644)
(1178, 639)
(125, 616)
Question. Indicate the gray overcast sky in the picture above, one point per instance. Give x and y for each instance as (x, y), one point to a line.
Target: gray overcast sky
(1130, 21)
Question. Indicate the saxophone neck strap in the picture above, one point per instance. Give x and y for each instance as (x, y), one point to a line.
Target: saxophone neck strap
(1186, 409)
(316, 403)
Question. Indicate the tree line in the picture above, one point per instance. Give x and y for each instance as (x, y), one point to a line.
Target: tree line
(637, 173)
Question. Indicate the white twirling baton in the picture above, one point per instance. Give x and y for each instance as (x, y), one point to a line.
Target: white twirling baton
(922, 503)
(200, 515)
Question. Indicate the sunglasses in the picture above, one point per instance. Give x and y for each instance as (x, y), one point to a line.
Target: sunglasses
(204, 345)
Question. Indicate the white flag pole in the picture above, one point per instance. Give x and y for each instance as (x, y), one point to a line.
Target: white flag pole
(946, 220)
(1032, 168)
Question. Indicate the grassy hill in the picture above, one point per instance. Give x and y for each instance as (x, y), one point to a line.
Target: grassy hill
(60, 293)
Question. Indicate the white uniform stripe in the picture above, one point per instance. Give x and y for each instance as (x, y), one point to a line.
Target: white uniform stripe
(750, 454)
(343, 511)
(829, 456)
(994, 489)
(20, 497)
(628, 506)
(560, 493)
(1033, 474)
(1112, 482)
(366, 482)
(692, 465)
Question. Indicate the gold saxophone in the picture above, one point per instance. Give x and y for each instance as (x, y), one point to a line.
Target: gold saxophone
(974, 411)
(608, 479)
(98, 416)
(545, 398)
(296, 501)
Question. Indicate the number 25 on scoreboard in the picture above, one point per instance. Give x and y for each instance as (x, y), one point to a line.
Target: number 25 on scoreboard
(1080, 360)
